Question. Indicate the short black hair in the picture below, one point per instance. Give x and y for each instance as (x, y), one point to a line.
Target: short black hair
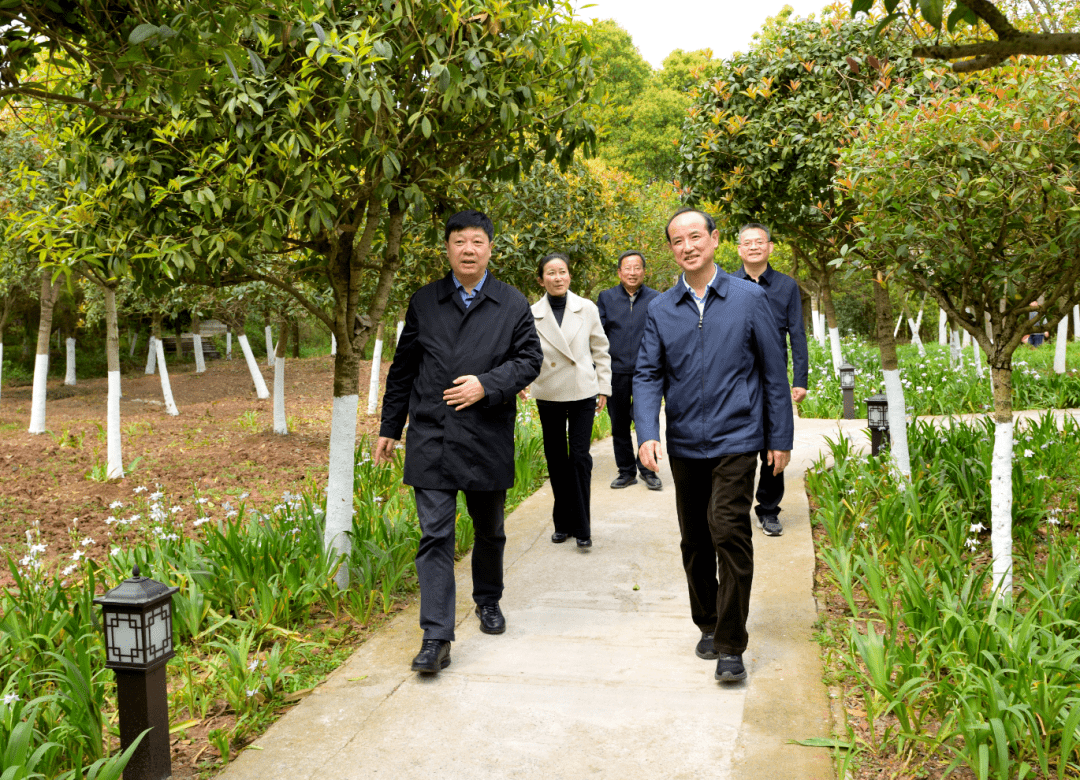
(710, 223)
(630, 253)
(755, 226)
(548, 258)
(469, 219)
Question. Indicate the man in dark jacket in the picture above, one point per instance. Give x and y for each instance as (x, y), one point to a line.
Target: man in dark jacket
(622, 313)
(755, 246)
(712, 352)
(468, 346)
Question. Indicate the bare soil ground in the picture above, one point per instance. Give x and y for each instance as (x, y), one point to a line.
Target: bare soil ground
(221, 446)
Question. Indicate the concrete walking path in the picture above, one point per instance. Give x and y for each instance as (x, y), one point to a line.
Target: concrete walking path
(596, 674)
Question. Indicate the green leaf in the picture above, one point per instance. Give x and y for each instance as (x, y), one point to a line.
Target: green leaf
(425, 127)
(826, 742)
(235, 75)
(143, 33)
(319, 32)
(931, 11)
(257, 65)
(880, 26)
(861, 5)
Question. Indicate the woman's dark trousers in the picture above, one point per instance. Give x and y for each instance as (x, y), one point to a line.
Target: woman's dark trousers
(567, 429)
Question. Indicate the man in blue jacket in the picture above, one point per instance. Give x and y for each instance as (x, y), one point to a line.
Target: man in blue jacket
(755, 246)
(712, 352)
(622, 313)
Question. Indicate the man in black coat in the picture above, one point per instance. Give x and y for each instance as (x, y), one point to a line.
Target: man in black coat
(468, 346)
(622, 313)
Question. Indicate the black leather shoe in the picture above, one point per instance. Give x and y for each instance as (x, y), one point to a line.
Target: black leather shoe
(705, 647)
(491, 619)
(559, 538)
(652, 482)
(584, 542)
(434, 655)
(623, 480)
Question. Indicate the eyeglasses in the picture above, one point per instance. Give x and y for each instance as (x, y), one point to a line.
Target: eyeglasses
(757, 242)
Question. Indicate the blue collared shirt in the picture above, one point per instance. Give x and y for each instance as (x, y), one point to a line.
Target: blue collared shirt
(466, 297)
(700, 301)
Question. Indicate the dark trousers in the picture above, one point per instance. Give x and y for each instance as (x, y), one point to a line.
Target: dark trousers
(713, 498)
(567, 430)
(620, 408)
(770, 489)
(437, 511)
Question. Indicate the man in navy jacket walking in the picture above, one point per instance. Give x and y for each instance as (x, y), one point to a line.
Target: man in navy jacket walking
(622, 313)
(712, 352)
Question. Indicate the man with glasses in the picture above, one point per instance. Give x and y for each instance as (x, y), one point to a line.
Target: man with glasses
(755, 246)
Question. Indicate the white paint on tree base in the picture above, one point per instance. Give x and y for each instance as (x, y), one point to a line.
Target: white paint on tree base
(69, 376)
(228, 346)
(200, 360)
(269, 347)
(114, 468)
(837, 355)
(281, 425)
(373, 385)
(815, 320)
(898, 448)
(37, 397)
(1060, 344)
(253, 367)
(942, 328)
(954, 348)
(151, 357)
(1076, 323)
(1001, 499)
(899, 321)
(339, 484)
(333, 344)
(915, 339)
(976, 356)
(166, 388)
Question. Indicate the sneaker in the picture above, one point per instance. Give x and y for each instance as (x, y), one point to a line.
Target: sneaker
(623, 480)
(729, 668)
(652, 482)
(706, 648)
(770, 525)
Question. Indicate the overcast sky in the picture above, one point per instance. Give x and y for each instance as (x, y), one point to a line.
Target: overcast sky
(660, 26)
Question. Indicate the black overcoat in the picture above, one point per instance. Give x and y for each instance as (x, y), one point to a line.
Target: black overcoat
(495, 340)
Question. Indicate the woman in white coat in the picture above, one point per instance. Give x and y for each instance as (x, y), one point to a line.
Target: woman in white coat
(573, 385)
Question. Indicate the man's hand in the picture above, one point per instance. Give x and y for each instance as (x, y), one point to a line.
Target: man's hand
(798, 394)
(383, 451)
(467, 390)
(778, 459)
(601, 402)
(651, 454)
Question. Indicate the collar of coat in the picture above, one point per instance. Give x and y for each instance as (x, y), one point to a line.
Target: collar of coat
(719, 284)
(766, 275)
(548, 327)
(492, 290)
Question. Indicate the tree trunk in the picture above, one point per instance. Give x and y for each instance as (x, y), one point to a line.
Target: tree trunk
(977, 358)
(942, 328)
(333, 345)
(954, 348)
(834, 328)
(253, 365)
(1001, 481)
(894, 388)
(133, 341)
(5, 315)
(296, 339)
(49, 291)
(151, 354)
(114, 466)
(69, 374)
(228, 345)
(1076, 323)
(178, 332)
(196, 343)
(1060, 345)
(915, 339)
(376, 367)
(281, 424)
(815, 315)
(270, 351)
(163, 370)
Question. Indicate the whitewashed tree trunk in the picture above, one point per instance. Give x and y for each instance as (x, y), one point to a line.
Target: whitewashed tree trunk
(1060, 345)
(49, 292)
(196, 344)
(376, 367)
(69, 377)
(914, 326)
(965, 339)
(333, 344)
(1001, 499)
(151, 356)
(114, 464)
(837, 354)
(1076, 323)
(898, 448)
(163, 371)
(942, 328)
(339, 485)
(954, 348)
(133, 341)
(253, 367)
(899, 322)
(281, 423)
(269, 346)
(228, 345)
(815, 321)
(977, 357)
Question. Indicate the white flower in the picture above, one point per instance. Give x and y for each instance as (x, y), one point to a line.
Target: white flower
(139, 489)
(200, 521)
(69, 569)
(1053, 521)
(1028, 453)
(110, 520)
(37, 549)
(231, 513)
(864, 525)
(115, 551)
(971, 543)
(10, 698)
(176, 509)
(202, 500)
(87, 542)
(254, 663)
(157, 496)
(976, 528)
(244, 495)
(77, 555)
(116, 505)
(252, 691)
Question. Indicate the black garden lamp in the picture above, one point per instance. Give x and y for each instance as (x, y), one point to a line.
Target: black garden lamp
(137, 616)
(877, 418)
(847, 386)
